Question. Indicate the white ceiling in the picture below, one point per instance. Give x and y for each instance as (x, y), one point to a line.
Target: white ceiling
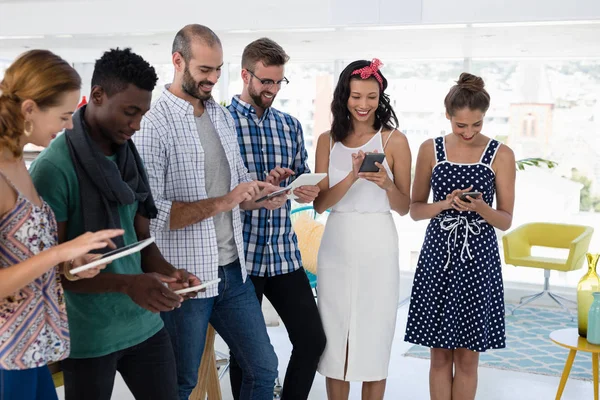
(45, 1)
(316, 30)
(39, 1)
(547, 41)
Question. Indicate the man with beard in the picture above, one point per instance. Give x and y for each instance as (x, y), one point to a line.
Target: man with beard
(189, 146)
(271, 140)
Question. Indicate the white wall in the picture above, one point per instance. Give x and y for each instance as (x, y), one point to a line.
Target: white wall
(109, 16)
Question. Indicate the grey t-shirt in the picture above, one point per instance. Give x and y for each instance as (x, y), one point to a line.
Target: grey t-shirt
(218, 178)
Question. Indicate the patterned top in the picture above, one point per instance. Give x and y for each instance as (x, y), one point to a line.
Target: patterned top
(33, 320)
(168, 143)
(480, 175)
(274, 140)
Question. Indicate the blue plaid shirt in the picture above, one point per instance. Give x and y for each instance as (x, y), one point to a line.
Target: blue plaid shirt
(275, 140)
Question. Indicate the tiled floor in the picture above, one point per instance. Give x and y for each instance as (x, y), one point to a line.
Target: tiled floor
(408, 377)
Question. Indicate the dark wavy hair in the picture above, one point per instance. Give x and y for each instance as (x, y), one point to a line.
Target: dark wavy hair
(341, 125)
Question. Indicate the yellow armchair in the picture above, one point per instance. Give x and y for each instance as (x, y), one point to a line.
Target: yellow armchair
(517, 252)
(309, 232)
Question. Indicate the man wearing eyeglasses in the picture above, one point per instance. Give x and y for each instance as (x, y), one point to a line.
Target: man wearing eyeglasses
(272, 146)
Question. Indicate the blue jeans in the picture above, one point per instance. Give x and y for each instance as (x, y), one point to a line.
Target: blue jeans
(27, 384)
(236, 315)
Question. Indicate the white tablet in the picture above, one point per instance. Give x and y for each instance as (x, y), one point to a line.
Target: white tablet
(305, 180)
(302, 180)
(114, 254)
(199, 287)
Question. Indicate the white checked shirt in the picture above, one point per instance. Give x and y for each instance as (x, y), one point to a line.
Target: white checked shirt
(169, 145)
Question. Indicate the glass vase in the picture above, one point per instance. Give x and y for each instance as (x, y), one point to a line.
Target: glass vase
(593, 332)
(587, 285)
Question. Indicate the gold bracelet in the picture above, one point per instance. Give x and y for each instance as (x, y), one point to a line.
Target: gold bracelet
(67, 266)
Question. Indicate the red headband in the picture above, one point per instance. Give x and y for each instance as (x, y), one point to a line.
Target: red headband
(371, 71)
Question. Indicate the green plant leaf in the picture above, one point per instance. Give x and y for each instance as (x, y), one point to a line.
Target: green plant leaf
(535, 162)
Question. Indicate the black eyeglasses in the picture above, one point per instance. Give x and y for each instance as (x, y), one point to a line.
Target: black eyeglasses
(270, 82)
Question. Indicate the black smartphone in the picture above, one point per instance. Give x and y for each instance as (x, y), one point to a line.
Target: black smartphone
(474, 195)
(368, 164)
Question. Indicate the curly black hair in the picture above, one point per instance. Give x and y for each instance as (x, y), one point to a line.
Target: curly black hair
(117, 68)
(341, 125)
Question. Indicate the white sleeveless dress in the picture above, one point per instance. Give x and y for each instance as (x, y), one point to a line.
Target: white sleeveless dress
(358, 275)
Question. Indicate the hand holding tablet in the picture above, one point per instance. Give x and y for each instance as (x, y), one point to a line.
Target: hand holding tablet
(302, 180)
(113, 255)
(198, 288)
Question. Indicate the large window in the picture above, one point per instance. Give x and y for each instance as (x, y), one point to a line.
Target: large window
(549, 109)
(417, 90)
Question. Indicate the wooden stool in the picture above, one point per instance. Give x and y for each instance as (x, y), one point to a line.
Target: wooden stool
(208, 377)
(57, 374)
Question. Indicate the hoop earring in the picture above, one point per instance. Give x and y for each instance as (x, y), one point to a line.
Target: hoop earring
(26, 131)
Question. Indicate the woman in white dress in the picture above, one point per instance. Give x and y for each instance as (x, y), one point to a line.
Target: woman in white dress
(358, 258)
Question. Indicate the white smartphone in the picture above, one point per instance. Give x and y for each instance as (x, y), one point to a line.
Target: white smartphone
(198, 287)
(114, 254)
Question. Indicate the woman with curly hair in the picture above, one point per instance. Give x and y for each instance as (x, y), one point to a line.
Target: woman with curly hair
(358, 270)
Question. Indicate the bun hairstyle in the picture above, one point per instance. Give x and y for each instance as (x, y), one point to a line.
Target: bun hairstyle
(37, 75)
(469, 92)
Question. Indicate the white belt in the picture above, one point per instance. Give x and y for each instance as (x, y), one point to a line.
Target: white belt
(451, 224)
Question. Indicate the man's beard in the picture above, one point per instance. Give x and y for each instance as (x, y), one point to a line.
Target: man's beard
(190, 86)
(257, 98)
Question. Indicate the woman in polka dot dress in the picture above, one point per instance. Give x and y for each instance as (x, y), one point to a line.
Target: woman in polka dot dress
(457, 302)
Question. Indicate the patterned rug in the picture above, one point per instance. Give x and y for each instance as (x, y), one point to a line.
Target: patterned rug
(528, 345)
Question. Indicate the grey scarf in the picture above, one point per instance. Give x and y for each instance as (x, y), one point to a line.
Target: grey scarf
(105, 185)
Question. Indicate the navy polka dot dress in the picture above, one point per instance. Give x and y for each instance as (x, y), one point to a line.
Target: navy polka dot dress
(457, 298)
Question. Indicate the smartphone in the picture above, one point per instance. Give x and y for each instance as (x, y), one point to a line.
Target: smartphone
(199, 287)
(368, 164)
(463, 196)
(274, 194)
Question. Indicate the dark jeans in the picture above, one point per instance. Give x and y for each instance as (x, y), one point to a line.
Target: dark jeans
(148, 369)
(235, 314)
(293, 299)
(27, 384)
